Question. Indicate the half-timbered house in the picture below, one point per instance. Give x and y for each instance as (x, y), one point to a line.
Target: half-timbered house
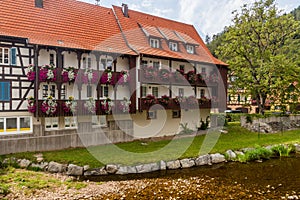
(74, 74)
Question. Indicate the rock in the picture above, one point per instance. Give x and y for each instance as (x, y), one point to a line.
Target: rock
(231, 155)
(187, 163)
(126, 170)
(86, 167)
(239, 153)
(9, 161)
(39, 159)
(112, 169)
(147, 168)
(24, 163)
(297, 148)
(74, 170)
(173, 164)
(217, 158)
(247, 149)
(42, 166)
(163, 165)
(203, 160)
(55, 167)
(96, 172)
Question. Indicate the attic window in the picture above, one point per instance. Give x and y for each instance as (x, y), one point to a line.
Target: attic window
(39, 3)
(154, 43)
(190, 49)
(173, 46)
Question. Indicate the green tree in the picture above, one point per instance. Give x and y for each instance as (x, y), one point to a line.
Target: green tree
(262, 51)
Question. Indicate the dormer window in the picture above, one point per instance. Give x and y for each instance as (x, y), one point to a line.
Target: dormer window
(154, 43)
(173, 46)
(190, 49)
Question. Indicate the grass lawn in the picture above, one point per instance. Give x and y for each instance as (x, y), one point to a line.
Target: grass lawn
(138, 152)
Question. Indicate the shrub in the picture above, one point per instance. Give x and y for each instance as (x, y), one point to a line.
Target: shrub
(282, 150)
(185, 129)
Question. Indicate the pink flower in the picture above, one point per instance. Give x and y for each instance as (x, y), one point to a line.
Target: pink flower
(31, 75)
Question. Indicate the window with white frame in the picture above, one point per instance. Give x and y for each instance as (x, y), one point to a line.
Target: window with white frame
(99, 120)
(4, 56)
(63, 92)
(155, 91)
(202, 93)
(154, 43)
(15, 125)
(176, 114)
(86, 62)
(49, 90)
(173, 46)
(105, 63)
(156, 65)
(180, 92)
(51, 61)
(144, 91)
(190, 49)
(89, 91)
(151, 114)
(70, 122)
(104, 91)
(51, 123)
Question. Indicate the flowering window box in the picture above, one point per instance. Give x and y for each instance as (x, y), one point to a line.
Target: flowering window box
(31, 72)
(47, 73)
(164, 100)
(68, 75)
(123, 77)
(49, 106)
(90, 106)
(150, 100)
(107, 77)
(107, 105)
(124, 105)
(164, 74)
(70, 106)
(150, 72)
(31, 105)
(90, 76)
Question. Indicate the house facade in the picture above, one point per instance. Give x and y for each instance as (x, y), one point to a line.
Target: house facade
(74, 74)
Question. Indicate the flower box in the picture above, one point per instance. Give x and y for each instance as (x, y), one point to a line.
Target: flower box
(49, 106)
(47, 73)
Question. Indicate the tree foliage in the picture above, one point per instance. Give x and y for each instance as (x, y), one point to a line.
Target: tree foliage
(262, 50)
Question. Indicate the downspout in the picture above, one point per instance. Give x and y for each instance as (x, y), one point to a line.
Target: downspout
(36, 82)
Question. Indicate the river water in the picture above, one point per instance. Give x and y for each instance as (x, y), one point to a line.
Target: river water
(272, 179)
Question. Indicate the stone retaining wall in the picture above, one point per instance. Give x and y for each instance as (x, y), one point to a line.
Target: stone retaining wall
(272, 124)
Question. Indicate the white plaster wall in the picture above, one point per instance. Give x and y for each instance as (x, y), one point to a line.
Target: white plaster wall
(70, 59)
(122, 64)
(123, 92)
(44, 57)
(188, 91)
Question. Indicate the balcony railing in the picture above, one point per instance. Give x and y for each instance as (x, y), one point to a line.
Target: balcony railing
(165, 77)
(100, 107)
(174, 104)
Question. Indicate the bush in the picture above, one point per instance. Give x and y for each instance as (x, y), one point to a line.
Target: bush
(255, 154)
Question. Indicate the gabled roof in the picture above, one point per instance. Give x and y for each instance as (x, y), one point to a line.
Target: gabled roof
(63, 23)
(173, 30)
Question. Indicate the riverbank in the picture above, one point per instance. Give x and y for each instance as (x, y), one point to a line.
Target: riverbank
(272, 179)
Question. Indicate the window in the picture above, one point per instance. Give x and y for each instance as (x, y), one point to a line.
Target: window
(156, 65)
(176, 114)
(4, 56)
(190, 49)
(203, 72)
(89, 91)
(144, 91)
(99, 120)
(49, 90)
(51, 59)
(70, 122)
(173, 46)
(51, 123)
(104, 91)
(155, 91)
(63, 90)
(5, 91)
(105, 63)
(151, 115)
(180, 92)
(15, 125)
(144, 63)
(154, 43)
(181, 68)
(202, 93)
(87, 62)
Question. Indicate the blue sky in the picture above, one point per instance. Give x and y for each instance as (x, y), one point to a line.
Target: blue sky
(208, 16)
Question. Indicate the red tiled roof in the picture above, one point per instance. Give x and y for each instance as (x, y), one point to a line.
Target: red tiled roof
(138, 40)
(66, 23)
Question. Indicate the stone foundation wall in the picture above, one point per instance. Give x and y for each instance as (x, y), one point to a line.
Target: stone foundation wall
(272, 124)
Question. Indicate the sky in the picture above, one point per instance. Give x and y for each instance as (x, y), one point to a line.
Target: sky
(209, 17)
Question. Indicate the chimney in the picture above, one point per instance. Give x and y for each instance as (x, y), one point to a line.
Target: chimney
(39, 3)
(125, 9)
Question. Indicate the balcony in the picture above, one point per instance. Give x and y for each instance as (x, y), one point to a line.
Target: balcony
(177, 103)
(82, 107)
(85, 76)
(150, 75)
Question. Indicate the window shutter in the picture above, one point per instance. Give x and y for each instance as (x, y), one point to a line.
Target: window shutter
(13, 56)
(5, 91)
